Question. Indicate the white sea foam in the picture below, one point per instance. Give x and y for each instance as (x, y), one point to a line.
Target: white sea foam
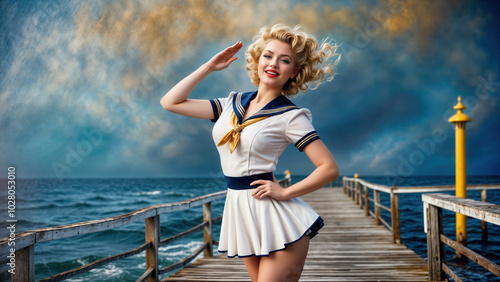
(149, 193)
(105, 272)
(179, 250)
(82, 262)
(175, 250)
(75, 280)
(179, 194)
(108, 271)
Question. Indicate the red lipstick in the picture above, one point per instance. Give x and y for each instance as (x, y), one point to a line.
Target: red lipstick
(272, 73)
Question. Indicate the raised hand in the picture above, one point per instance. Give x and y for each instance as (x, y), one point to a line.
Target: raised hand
(176, 100)
(224, 58)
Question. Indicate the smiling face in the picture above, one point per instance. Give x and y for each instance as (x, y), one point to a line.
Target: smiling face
(276, 64)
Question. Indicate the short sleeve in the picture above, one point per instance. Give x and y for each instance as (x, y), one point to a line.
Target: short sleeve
(219, 104)
(299, 130)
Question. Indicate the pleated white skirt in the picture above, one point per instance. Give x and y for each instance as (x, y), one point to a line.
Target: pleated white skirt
(252, 227)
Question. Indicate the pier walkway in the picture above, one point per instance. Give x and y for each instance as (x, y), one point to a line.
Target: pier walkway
(349, 248)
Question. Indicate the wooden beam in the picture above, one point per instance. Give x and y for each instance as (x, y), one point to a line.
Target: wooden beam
(450, 272)
(25, 265)
(367, 200)
(207, 230)
(476, 209)
(70, 230)
(376, 206)
(396, 232)
(22, 240)
(145, 276)
(484, 224)
(420, 189)
(475, 257)
(153, 237)
(191, 203)
(360, 195)
(435, 248)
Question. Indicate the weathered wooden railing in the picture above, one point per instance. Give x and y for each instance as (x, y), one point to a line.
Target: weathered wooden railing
(25, 242)
(433, 205)
(358, 189)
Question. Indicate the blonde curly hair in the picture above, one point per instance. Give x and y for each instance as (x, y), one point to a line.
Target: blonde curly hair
(308, 58)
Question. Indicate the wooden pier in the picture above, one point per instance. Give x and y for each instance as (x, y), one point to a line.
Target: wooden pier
(351, 247)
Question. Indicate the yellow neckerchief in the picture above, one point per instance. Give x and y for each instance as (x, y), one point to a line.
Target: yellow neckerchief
(233, 136)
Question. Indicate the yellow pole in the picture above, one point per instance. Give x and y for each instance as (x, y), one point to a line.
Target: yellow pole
(459, 119)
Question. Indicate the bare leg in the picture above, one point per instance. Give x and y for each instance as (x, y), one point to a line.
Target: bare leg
(285, 265)
(252, 264)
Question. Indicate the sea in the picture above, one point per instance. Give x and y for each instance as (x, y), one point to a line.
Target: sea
(44, 203)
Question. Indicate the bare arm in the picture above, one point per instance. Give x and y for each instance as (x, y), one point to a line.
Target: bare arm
(326, 171)
(176, 100)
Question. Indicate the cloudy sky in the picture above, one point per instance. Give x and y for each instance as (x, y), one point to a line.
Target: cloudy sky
(81, 81)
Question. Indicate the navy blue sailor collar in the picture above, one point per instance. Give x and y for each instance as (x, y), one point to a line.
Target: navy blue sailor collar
(277, 106)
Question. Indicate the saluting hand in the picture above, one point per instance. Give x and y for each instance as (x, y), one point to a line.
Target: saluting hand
(224, 58)
(269, 188)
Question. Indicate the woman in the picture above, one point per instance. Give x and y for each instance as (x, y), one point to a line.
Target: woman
(266, 225)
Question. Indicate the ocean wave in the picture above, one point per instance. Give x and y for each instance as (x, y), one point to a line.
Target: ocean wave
(81, 204)
(179, 194)
(97, 199)
(150, 193)
(168, 194)
(179, 250)
(106, 272)
(176, 251)
(51, 206)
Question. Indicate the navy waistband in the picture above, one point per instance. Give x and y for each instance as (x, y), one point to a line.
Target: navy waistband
(243, 182)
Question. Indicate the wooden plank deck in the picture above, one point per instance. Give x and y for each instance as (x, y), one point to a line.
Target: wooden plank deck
(349, 248)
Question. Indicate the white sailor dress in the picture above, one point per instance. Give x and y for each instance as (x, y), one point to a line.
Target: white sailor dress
(253, 227)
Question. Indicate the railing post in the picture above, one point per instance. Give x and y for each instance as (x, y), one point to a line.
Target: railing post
(153, 235)
(354, 187)
(367, 200)
(435, 248)
(353, 191)
(484, 225)
(396, 232)
(360, 196)
(25, 265)
(376, 206)
(207, 230)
